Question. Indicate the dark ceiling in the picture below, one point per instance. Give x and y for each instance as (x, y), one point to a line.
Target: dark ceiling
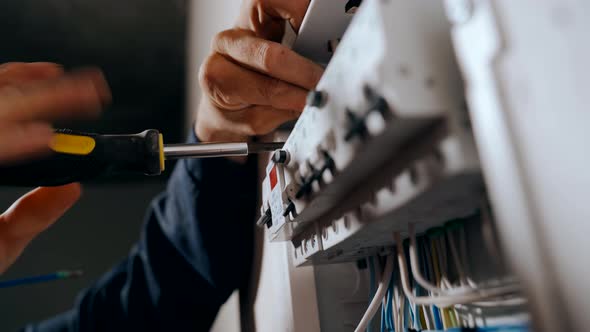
(140, 44)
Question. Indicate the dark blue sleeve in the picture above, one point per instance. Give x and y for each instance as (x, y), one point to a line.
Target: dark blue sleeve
(195, 250)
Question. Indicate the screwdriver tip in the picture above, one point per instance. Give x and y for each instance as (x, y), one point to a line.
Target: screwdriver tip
(259, 147)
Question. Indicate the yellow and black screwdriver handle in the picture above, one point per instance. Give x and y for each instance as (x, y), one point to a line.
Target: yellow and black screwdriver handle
(77, 157)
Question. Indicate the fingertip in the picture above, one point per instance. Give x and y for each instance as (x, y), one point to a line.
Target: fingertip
(102, 87)
(76, 189)
(70, 193)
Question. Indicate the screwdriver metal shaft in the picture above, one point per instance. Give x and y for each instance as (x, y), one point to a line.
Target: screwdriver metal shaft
(213, 150)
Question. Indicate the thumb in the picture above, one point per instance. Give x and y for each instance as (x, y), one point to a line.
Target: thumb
(30, 215)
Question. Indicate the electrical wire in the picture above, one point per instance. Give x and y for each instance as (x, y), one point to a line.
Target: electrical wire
(416, 321)
(379, 294)
(59, 275)
(404, 314)
(445, 300)
(395, 311)
(383, 324)
(390, 301)
(426, 317)
(448, 318)
(510, 302)
(415, 264)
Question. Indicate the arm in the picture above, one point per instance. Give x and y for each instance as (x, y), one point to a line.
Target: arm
(195, 249)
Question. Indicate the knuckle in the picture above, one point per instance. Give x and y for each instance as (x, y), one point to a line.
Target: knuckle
(270, 55)
(220, 39)
(264, 55)
(212, 75)
(208, 74)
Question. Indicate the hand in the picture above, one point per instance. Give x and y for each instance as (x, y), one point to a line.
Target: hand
(251, 83)
(32, 95)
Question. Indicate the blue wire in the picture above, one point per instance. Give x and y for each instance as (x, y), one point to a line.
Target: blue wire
(388, 307)
(390, 302)
(382, 318)
(39, 279)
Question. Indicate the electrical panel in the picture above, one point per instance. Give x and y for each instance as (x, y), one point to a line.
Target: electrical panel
(405, 163)
(392, 139)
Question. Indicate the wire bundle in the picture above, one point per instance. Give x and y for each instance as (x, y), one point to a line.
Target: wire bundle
(430, 301)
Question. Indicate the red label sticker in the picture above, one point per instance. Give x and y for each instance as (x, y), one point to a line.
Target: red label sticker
(273, 177)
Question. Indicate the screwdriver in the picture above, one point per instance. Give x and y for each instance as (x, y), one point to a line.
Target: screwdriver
(77, 157)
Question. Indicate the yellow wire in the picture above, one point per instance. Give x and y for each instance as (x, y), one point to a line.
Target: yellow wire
(452, 315)
(421, 316)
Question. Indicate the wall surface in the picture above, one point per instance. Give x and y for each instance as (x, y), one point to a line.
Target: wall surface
(139, 44)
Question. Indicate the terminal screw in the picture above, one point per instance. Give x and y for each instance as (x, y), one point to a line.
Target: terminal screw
(317, 99)
(280, 157)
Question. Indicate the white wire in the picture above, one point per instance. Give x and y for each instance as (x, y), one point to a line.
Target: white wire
(415, 266)
(395, 309)
(471, 288)
(379, 294)
(510, 302)
(426, 317)
(446, 300)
